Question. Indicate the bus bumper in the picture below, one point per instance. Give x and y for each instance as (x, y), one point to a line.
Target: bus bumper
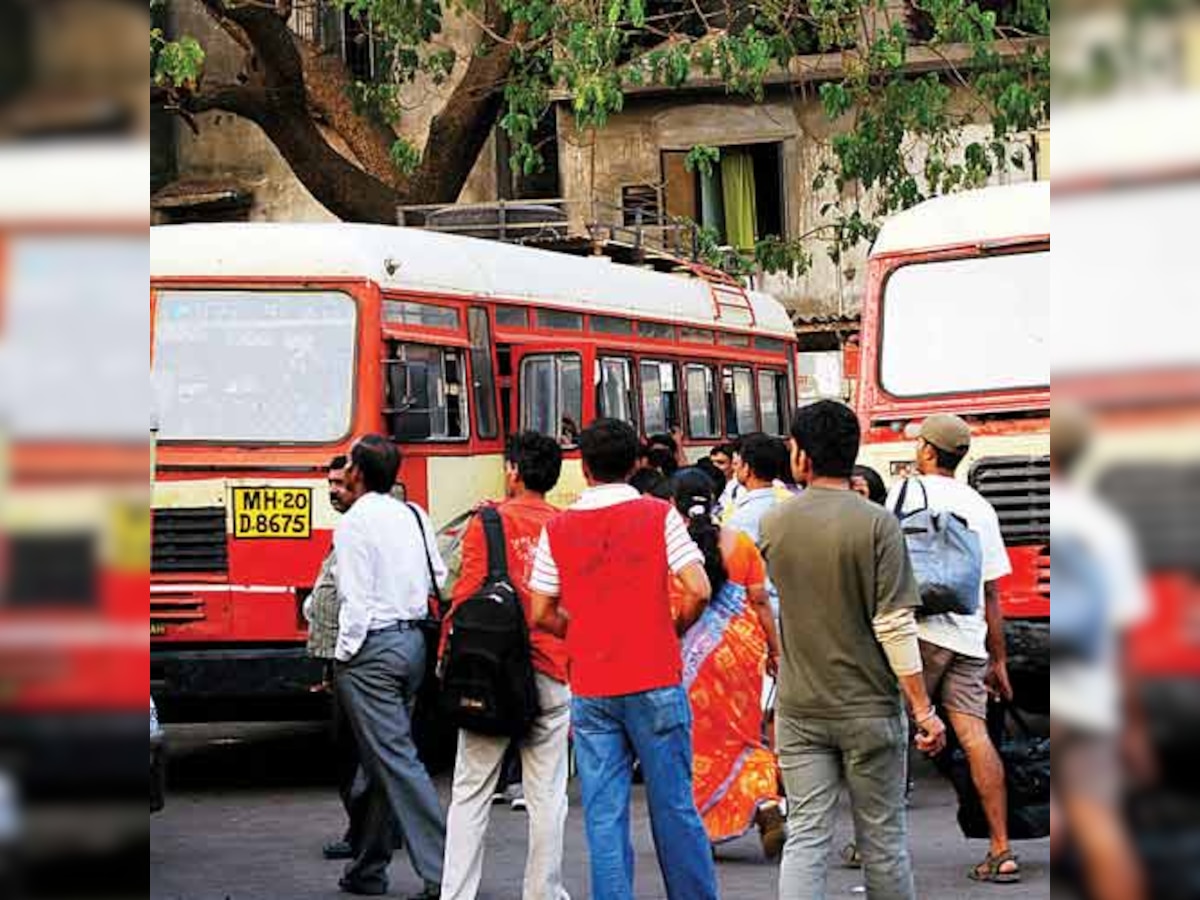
(237, 684)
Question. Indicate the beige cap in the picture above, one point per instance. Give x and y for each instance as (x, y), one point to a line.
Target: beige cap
(946, 432)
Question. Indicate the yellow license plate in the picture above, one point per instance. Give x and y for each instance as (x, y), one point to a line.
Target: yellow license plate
(272, 512)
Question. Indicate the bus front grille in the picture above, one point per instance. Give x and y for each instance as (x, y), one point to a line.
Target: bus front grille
(190, 540)
(1018, 487)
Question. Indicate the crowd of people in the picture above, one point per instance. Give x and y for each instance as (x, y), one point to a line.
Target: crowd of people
(743, 632)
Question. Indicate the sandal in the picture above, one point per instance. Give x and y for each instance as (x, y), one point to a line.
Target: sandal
(851, 858)
(990, 869)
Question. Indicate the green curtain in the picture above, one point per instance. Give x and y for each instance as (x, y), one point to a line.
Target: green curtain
(741, 213)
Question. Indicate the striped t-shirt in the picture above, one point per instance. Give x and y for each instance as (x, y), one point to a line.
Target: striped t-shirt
(681, 549)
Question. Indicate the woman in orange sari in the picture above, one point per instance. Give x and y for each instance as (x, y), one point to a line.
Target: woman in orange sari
(735, 775)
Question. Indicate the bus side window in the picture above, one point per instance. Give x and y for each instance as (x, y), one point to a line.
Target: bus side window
(738, 388)
(551, 395)
(614, 389)
(425, 396)
(703, 417)
(773, 401)
(660, 396)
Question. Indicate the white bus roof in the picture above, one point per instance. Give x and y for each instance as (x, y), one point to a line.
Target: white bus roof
(971, 217)
(412, 259)
(75, 183)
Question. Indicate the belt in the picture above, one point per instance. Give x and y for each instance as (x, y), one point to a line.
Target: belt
(403, 625)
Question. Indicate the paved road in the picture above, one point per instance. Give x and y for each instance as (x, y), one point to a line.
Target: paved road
(250, 806)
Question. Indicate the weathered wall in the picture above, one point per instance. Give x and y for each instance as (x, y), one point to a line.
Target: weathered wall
(229, 148)
(627, 152)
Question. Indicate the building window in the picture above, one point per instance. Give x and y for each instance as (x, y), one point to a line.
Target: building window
(541, 184)
(614, 389)
(660, 396)
(703, 421)
(741, 199)
(773, 401)
(640, 205)
(483, 378)
(738, 388)
(425, 399)
(552, 395)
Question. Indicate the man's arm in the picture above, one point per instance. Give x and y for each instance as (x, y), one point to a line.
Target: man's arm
(997, 671)
(895, 625)
(545, 589)
(757, 595)
(353, 574)
(695, 594)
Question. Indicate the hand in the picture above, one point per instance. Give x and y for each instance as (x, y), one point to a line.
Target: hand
(997, 681)
(773, 663)
(1138, 756)
(931, 735)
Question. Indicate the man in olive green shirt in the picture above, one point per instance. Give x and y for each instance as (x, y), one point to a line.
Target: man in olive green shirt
(849, 635)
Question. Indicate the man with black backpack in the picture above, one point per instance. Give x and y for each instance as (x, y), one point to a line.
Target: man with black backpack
(964, 655)
(476, 677)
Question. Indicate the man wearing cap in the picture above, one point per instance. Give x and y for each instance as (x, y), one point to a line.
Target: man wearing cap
(965, 658)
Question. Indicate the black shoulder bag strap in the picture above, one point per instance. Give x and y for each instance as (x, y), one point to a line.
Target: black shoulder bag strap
(497, 552)
(898, 511)
(437, 592)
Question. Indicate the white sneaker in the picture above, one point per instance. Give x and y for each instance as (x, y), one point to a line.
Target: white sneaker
(515, 795)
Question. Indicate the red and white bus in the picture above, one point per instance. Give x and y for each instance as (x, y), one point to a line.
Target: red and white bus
(274, 345)
(957, 319)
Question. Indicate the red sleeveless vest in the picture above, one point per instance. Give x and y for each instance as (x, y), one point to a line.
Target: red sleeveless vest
(612, 566)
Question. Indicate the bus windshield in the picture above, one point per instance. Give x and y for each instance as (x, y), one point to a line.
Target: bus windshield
(967, 326)
(236, 366)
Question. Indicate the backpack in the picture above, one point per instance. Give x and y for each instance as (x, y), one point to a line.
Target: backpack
(946, 557)
(488, 683)
(1078, 602)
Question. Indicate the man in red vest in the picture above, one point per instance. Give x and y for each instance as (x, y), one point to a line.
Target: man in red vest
(600, 579)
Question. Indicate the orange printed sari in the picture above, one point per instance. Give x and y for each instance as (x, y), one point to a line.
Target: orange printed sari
(724, 658)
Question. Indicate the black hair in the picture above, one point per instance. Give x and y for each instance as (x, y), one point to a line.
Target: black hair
(652, 482)
(378, 459)
(694, 495)
(727, 449)
(876, 489)
(662, 458)
(828, 432)
(538, 459)
(338, 462)
(784, 461)
(609, 448)
(948, 460)
(709, 468)
(760, 454)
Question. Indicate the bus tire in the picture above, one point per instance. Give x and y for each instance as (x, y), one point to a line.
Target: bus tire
(1029, 663)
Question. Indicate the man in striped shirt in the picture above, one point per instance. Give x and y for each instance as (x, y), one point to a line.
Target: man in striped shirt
(601, 578)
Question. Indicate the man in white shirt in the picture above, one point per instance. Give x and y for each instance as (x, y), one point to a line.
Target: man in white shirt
(965, 657)
(385, 552)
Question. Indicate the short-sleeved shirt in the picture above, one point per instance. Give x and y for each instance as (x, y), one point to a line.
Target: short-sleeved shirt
(966, 635)
(838, 561)
(523, 519)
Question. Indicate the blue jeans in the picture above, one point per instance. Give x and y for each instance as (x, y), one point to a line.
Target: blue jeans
(655, 727)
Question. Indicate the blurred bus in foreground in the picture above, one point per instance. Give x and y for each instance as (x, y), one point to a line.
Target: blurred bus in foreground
(74, 466)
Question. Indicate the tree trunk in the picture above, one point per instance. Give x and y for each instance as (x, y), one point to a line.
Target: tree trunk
(286, 84)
